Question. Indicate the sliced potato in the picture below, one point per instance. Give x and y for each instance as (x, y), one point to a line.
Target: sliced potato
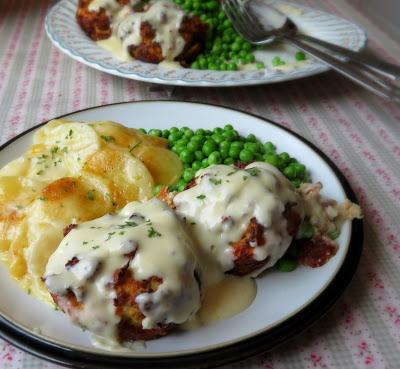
(68, 144)
(163, 164)
(116, 134)
(127, 177)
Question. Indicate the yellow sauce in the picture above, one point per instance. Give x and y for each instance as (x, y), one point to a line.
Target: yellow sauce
(223, 300)
(114, 45)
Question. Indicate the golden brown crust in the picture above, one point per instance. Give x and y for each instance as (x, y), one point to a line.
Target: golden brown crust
(243, 252)
(192, 31)
(95, 24)
(130, 326)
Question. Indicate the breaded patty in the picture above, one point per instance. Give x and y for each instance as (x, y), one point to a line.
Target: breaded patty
(96, 24)
(126, 290)
(193, 32)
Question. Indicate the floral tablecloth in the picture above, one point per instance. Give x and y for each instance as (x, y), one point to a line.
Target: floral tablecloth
(359, 131)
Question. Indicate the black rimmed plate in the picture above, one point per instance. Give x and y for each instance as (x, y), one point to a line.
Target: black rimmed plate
(286, 303)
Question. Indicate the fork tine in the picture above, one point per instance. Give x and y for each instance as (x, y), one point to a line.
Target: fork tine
(250, 20)
(233, 11)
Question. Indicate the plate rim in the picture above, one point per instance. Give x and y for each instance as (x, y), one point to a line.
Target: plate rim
(317, 68)
(238, 350)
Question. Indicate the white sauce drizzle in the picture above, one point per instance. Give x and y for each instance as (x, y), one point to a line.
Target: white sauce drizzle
(219, 209)
(164, 17)
(163, 249)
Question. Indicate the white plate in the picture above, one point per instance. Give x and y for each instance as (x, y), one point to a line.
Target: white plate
(65, 33)
(285, 304)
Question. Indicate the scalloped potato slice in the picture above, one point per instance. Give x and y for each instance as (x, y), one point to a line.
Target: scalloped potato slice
(17, 167)
(17, 192)
(62, 202)
(127, 177)
(163, 164)
(69, 144)
(116, 134)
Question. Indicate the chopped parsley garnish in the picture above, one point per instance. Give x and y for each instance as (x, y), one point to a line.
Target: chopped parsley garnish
(121, 233)
(153, 233)
(201, 197)
(95, 247)
(215, 181)
(108, 138)
(245, 178)
(70, 133)
(127, 224)
(90, 195)
(19, 207)
(54, 150)
(134, 146)
(231, 173)
(110, 235)
(85, 242)
(253, 171)
(65, 149)
(42, 198)
(40, 172)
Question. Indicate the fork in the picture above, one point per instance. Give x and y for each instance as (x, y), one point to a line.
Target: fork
(250, 28)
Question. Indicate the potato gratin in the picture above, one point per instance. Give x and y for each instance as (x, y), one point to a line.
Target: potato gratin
(72, 173)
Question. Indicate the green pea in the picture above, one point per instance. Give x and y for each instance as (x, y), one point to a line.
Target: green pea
(142, 130)
(174, 130)
(229, 161)
(234, 152)
(237, 144)
(284, 156)
(208, 147)
(187, 156)
(204, 163)
(196, 165)
(218, 130)
(173, 136)
(188, 174)
(214, 158)
(306, 230)
(250, 58)
(228, 127)
(217, 137)
(251, 138)
(232, 66)
(296, 182)
(289, 172)
(269, 147)
(286, 265)
(181, 186)
(224, 151)
(224, 145)
(271, 159)
(155, 132)
(246, 155)
(333, 235)
(188, 133)
(165, 133)
(260, 65)
(300, 56)
(156, 190)
(229, 135)
(196, 138)
(199, 155)
(193, 146)
(200, 132)
(276, 60)
(182, 141)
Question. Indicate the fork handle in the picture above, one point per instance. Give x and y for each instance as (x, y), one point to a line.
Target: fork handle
(387, 69)
(380, 87)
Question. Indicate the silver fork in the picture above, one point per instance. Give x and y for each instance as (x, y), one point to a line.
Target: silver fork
(250, 28)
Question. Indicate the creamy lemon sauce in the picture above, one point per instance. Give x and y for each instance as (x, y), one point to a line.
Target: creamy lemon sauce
(224, 299)
(165, 18)
(219, 209)
(114, 45)
(101, 247)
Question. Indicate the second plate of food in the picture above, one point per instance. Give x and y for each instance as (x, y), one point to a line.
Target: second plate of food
(196, 35)
(241, 317)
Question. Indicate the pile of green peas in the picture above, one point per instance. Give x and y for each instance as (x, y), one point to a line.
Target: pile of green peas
(202, 148)
(224, 49)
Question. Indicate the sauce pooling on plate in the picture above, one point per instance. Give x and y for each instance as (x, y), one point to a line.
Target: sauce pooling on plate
(225, 200)
(163, 16)
(148, 240)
